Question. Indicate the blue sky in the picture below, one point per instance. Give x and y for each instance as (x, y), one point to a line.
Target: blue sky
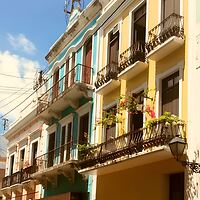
(27, 31)
(41, 22)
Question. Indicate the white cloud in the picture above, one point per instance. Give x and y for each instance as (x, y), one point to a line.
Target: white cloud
(21, 42)
(11, 64)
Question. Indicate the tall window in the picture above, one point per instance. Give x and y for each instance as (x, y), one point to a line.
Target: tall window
(34, 152)
(170, 94)
(83, 129)
(136, 119)
(139, 25)
(51, 148)
(113, 42)
(86, 70)
(69, 139)
(63, 138)
(169, 7)
(12, 158)
(22, 157)
(110, 130)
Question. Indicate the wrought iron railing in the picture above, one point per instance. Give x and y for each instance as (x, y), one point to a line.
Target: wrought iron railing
(171, 26)
(53, 157)
(26, 173)
(131, 143)
(107, 73)
(18, 177)
(133, 54)
(6, 181)
(79, 74)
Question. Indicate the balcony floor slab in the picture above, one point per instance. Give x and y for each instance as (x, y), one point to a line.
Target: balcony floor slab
(169, 46)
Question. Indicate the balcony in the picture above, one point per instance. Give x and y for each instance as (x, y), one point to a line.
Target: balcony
(66, 92)
(57, 161)
(132, 61)
(14, 181)
(106, 79)
(130, 150)
(166, 37)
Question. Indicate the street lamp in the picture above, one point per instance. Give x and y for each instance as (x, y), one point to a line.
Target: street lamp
(177, 146)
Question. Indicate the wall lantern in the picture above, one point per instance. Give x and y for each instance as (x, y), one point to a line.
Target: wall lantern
(177, 146)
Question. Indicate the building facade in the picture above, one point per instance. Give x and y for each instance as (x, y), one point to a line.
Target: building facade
(26, 141)
(144, 53)
(67, 106)
(121, 85)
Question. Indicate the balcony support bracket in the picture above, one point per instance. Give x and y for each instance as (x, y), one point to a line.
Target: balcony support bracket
(69, 174)
(54, 114)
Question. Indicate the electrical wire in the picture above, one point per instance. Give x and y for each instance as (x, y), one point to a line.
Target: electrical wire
(15, 92)
(15, 76)
(51, 76)
(14, 99)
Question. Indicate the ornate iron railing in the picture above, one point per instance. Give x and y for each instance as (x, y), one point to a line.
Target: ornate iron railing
(171, 26)
(53, 157)
(109, 72)
(26, 173)
(6, 181)
(79, 74)
(131, 143)
(18, 177)
(133, 54)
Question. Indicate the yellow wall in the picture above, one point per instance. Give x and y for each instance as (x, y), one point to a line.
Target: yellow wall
(140, 183)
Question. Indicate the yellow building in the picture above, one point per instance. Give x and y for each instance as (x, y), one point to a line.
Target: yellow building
(143, 55)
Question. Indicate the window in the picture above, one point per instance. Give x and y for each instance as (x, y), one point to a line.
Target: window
(63, 138)
(169, 7)
(176, 186)
(51, 148)
(34, 152)
(136, 119)
(139, 25)
(170, 94)
(69, 140)
(113, 46)
(86, 69)
(12, 158)
(22, 157)
(110, 131)
(83, 129)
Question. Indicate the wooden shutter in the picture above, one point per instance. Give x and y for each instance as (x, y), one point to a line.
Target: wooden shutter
(86, 70)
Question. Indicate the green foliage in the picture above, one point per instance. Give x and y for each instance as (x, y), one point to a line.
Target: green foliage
(83, 149)
(167, 118)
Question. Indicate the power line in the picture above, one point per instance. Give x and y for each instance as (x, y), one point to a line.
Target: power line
(15, 76)
(47, 71)
(14, 99)
(14, 93)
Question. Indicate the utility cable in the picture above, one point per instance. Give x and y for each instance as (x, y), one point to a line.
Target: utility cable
(14, 99)
(51, 76)
(15, 76)
(15, 92)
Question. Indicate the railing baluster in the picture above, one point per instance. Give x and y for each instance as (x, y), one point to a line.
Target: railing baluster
(132, 142)
(171, 26)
